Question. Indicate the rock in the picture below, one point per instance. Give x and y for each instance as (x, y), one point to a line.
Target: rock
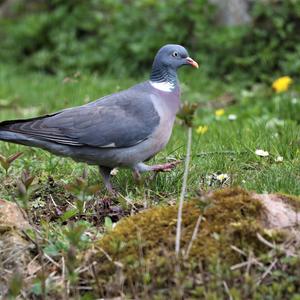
(281, 211)
(14, 248)
(11, 217)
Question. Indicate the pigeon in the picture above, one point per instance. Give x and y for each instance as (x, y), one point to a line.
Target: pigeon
(124, 129)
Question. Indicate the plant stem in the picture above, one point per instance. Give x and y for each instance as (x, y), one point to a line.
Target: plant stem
(195, 232)
(183, 191)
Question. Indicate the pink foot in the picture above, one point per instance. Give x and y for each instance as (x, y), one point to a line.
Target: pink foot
(165, 167)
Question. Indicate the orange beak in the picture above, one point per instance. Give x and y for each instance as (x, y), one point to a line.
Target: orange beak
(191, 62)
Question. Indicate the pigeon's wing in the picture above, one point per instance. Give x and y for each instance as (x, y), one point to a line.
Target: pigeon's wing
(120, 120)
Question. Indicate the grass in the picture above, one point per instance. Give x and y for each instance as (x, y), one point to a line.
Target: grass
(265, 120)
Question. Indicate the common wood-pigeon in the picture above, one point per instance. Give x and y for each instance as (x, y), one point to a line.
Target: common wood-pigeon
(124, 129)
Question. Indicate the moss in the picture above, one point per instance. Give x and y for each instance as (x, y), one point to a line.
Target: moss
(137, 258)
(228, 215)
(144, 243)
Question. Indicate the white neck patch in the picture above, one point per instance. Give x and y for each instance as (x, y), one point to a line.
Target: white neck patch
(163, 86)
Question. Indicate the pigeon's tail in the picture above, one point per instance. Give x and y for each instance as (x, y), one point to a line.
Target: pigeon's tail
(32, 141)
(11, 131)
(14, 131)
(14, 137)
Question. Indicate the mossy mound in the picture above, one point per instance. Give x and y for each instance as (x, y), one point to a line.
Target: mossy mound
(228, 216)
(138, 258)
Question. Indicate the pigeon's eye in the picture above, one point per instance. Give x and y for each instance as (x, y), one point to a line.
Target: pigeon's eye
(175, 54)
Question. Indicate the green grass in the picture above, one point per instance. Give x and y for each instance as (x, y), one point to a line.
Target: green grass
(264, 121)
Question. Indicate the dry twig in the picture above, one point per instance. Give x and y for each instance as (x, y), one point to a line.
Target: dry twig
(195, 232)
(268, 271)
(183, 191)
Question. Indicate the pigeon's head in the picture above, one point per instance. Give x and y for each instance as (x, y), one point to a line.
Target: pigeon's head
(173, 57)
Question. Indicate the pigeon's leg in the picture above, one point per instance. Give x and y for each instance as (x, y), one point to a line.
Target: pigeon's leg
(137, 175)
(105, 173)
(141, 167)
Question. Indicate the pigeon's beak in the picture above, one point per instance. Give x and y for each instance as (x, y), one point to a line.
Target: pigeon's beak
(191, 62)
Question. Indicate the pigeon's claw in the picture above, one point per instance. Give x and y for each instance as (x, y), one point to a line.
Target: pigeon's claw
(167, 167)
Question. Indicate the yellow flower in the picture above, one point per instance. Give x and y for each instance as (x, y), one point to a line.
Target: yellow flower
(219, 112)
(201, 129)
(282, 84)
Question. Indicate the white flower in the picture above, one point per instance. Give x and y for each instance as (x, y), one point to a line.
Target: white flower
(260, 152)
(114, 172)
(222, 177)
(294, 101)
(232, 117)
(274, 122)
(279, 159)
(246, 94)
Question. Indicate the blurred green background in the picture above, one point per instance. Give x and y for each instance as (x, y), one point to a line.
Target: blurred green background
(251, 40)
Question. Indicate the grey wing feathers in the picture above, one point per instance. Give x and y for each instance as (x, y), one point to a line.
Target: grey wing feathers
(120, 120)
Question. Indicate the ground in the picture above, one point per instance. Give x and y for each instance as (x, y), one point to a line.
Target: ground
(68, 203)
